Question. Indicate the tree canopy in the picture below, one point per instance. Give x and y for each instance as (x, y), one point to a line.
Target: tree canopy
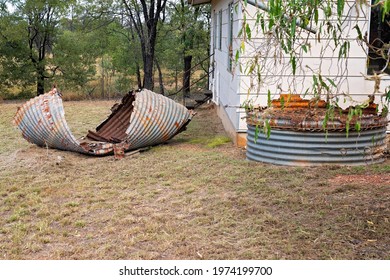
(102, 48)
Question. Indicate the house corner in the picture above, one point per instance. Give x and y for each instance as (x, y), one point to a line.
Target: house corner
(238, 138)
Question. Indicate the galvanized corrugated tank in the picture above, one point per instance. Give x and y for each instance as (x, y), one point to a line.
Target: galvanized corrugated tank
(307, 148)
(309, 132)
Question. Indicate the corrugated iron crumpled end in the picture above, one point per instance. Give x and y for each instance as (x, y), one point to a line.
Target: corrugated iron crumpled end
(142, 119)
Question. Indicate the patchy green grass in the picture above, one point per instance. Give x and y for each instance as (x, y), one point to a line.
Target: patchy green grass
(211, 142)
(183, 200)
(218, 141)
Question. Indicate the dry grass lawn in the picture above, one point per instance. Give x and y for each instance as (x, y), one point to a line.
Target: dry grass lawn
(196, 197)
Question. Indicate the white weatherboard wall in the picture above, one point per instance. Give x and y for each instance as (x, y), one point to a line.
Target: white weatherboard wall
(234, 89)
(351, 76)
(225, 84)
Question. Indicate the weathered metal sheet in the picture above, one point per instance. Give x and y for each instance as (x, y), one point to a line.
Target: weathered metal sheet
(304, 148)
(159, 118)
(142, 119)
(291, 112)
(306, 133)
(42, 122)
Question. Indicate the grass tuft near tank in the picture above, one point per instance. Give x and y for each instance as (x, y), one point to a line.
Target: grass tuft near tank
(142, 119)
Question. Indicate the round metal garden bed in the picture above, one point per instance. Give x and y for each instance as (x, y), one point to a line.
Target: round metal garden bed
(303, 134)
(304, 148)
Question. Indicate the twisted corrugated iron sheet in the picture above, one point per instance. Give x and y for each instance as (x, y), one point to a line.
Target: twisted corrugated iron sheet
(158, 118)
(142, 119)
(42, 122)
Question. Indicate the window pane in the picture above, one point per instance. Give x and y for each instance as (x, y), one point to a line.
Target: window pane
(379, 36)
(215, 31)
(230, 36)
(220, 30)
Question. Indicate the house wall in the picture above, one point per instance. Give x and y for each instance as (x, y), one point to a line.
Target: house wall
(225, 84)
(279, 79)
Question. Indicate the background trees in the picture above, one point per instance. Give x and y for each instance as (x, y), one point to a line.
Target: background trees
(97, 48)
(145, 16)
(192, 25)
(37, 45)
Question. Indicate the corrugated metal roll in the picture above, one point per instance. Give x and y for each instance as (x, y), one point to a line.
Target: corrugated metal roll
(305, 148)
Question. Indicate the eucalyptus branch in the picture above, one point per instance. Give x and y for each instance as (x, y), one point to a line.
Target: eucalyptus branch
(387, 59)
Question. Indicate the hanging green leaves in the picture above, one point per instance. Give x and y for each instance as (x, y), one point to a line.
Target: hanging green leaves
(304, 48)
(385, 9)
(340, 7)
(293, 27)
(267, 129)
(387, 94)
(331, 82)
(293, 61)
(269, 99)
(248, 31)
(360, 36)
(323, 84)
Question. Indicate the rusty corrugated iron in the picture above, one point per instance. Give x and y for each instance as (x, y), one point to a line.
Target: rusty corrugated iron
(142, 119)
(305, 132)
(294, 101)
(311, 148)
(291, 112)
